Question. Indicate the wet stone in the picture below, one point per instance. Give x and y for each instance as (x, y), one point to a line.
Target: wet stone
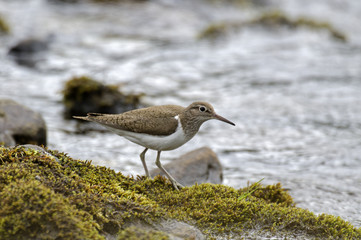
(198, 166)
(20, 125)
(84, 94)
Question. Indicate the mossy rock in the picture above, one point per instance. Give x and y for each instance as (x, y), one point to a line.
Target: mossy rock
(270, 19)
(44, 196)
(4, 26)
(271, 194)
(84, 94)
(30, 210)
(215, 30)
(82, 194)
(277, 18)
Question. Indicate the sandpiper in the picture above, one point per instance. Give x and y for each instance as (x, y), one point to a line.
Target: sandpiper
(160, 128)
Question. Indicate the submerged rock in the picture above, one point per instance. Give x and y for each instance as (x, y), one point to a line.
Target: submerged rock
(20, 125)
(48, 195)
(30, 51)
(271, 20)
(29, 47)
(198, 166)
(83, 95)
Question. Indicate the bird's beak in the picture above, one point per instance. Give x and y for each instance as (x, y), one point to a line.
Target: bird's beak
(223, 119)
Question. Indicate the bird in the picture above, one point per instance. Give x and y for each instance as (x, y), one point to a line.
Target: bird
(160, 128)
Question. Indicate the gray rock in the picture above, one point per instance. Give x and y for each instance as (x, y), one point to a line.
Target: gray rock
(6, 139)
(180, 230)
(201, 165)
(20, 125)
(28, 47)
(29, 52)
(175, 230)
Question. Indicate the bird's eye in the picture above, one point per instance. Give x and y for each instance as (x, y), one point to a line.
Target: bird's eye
(202, 108)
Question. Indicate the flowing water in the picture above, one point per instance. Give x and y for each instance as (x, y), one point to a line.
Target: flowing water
(294, 94)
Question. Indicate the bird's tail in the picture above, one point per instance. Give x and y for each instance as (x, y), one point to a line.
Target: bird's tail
(89, 117)
(79, 117)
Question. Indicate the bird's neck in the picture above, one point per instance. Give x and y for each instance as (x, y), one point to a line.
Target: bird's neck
(190, 124)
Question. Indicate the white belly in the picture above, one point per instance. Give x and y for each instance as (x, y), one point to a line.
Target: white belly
(160, 143)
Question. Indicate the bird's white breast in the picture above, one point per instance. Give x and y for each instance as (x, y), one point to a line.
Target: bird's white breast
(160, 143)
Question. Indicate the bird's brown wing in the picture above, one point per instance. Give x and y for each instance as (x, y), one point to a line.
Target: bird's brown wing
(157, 120)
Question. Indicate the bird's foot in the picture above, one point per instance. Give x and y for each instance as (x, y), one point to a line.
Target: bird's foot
(177, 185)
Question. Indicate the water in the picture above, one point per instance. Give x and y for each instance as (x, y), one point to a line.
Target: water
(293, 94)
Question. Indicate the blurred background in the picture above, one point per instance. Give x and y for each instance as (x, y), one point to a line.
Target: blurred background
(287, 72)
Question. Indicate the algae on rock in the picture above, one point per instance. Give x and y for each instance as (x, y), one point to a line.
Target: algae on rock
(84, 94)
(44, 198)
(271, 20)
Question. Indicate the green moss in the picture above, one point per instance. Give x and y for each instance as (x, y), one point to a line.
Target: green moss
(216, 210)
(213, 31)
(277, 18)
(270, 19)
(43, 197)
(29, 209)
(321, 26)
(78, 88)
(84, 94)
(4, 27)
(271, 194)
(92, 191)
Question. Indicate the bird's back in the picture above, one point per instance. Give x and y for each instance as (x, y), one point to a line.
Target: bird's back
(156, 120)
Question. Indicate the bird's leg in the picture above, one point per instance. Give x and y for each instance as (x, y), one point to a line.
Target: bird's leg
(142, 157)
(173, 181)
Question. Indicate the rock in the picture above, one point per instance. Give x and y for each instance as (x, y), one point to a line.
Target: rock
(28, 47)
(45, 198)
(6, 139)
(20, 125)
(171, 228)
(180, 230)
(201, 165)
(83, 95)
(28, 52)
(270, 20)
